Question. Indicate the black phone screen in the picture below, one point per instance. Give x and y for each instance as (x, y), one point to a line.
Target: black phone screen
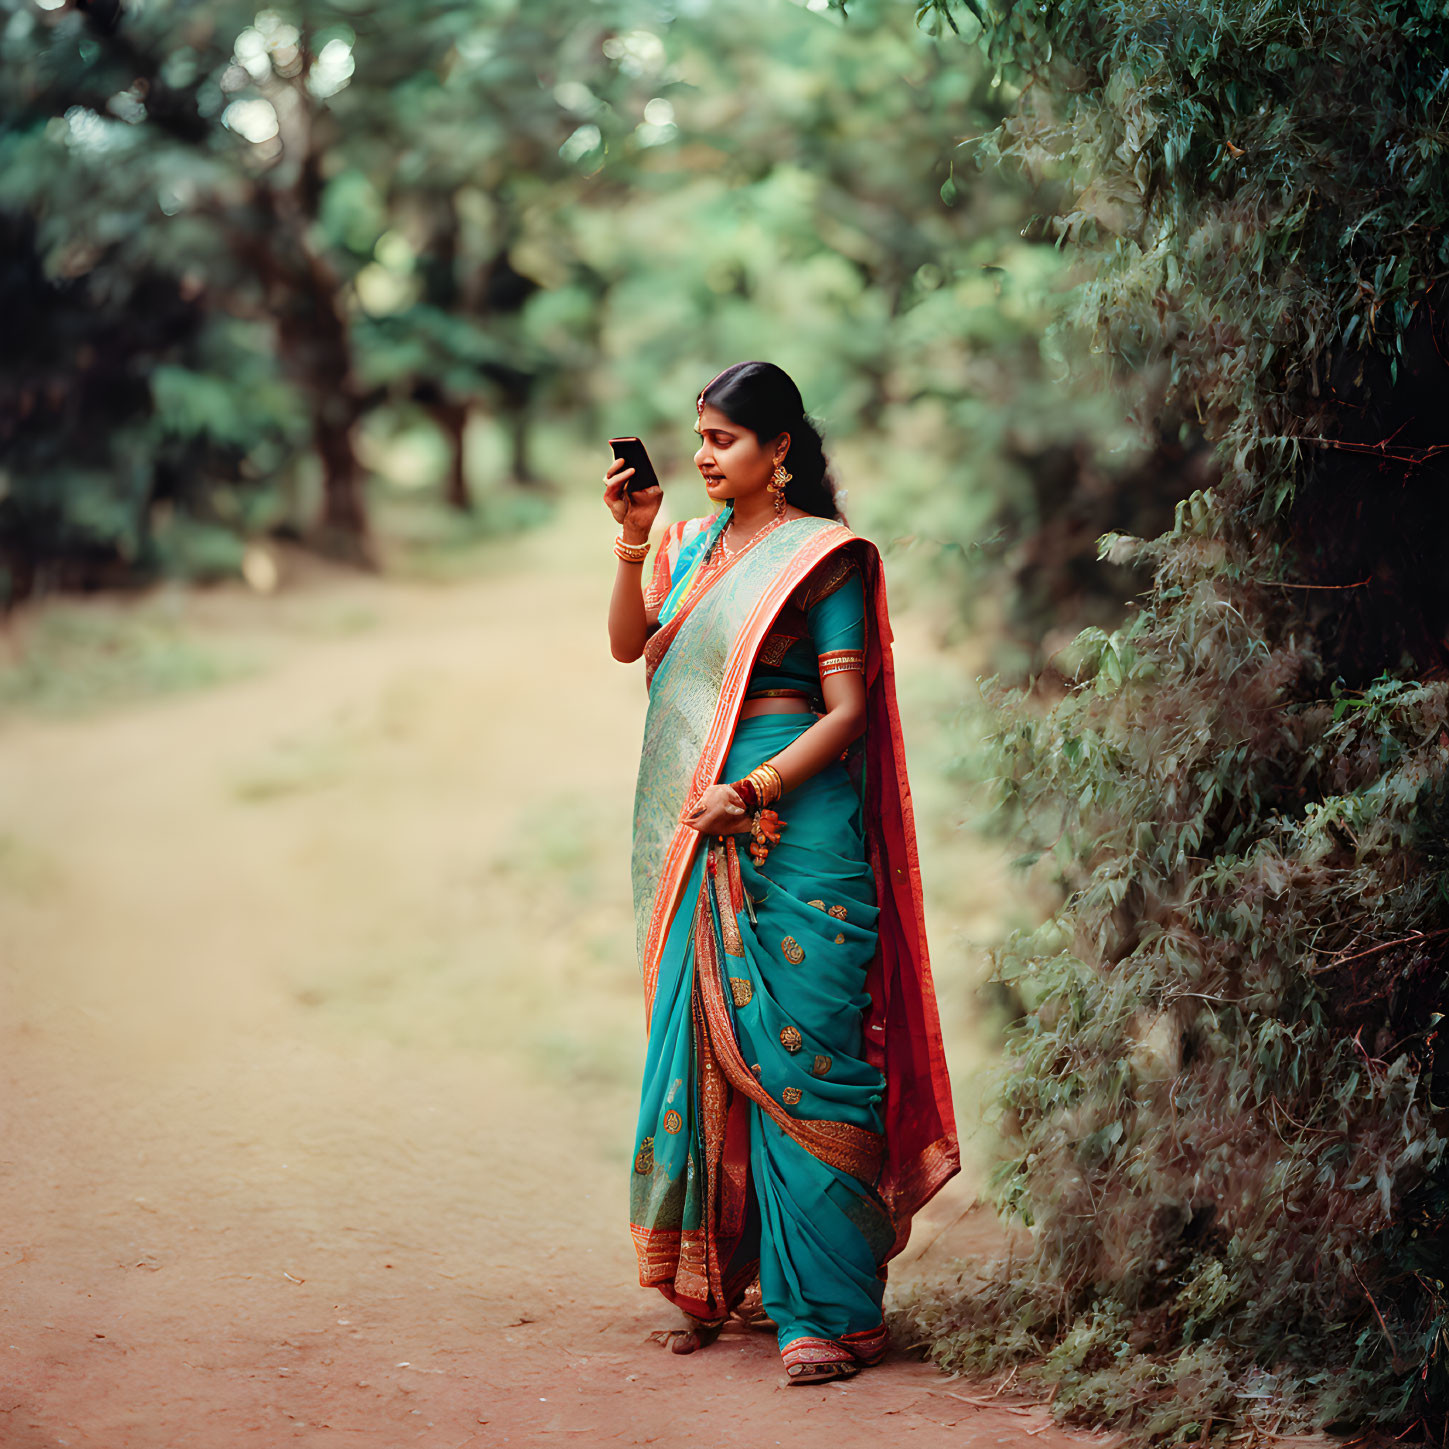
(631, 450)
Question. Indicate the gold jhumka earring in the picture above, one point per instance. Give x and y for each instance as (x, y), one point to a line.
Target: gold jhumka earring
(776, 485)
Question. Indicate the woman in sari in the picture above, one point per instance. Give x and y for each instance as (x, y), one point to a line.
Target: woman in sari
(795, 1110)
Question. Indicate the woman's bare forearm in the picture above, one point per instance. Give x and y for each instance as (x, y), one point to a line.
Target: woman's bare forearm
(843, 721)
(825, 740)
(630, 623)
(628, 618)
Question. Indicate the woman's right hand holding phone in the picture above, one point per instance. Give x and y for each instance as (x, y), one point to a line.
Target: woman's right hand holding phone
(633, 512)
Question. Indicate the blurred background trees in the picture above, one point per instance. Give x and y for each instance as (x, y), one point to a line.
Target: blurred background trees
(278, 272)
(328, 196)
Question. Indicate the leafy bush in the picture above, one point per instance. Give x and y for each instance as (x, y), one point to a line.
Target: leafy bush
(1222, 1101)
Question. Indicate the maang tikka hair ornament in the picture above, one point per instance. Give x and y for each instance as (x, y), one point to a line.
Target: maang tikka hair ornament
(776, 485)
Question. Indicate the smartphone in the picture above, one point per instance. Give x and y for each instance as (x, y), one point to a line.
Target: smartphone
(631, 450)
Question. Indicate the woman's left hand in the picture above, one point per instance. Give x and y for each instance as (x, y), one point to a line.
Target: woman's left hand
(719, 812)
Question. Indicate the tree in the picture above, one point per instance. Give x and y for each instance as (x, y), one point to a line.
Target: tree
(464, 153)
(1224, 1100)
(437, 208)
(265, 166)
(120, 391)
(185, 143)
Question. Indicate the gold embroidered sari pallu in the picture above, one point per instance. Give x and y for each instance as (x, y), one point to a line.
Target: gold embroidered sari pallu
(795, 1109)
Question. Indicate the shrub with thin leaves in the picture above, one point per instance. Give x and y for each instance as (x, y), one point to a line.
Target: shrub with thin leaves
(1221, 1098)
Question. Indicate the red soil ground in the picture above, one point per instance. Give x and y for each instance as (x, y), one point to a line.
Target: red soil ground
(319, 1040)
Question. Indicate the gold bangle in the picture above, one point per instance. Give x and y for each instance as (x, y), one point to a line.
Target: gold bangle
(767, 782)
(778, 785)
(630, 552)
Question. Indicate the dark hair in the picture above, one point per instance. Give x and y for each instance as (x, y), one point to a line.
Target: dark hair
(763, 398)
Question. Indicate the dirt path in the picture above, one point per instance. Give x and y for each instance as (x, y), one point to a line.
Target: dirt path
(319, 1034)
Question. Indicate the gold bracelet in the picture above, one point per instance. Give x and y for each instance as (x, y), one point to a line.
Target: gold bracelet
(767, 782)
(630, 552)
(777, 785)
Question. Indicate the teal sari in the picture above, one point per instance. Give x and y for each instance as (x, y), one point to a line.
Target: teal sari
(795, 1109)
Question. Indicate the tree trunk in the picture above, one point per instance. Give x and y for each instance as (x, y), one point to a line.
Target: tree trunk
(316, 349)
(342, 527)
(518, 437)
(452, 417)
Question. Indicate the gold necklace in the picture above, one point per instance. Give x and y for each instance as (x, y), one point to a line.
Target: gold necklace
(726, 552)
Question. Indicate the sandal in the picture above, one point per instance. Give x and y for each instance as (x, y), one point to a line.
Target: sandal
(687, 1340)
(817, 1361)
(750, 1311)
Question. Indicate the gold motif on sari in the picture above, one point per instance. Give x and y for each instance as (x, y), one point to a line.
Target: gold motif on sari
(734, 943)
(775, 648)
(741, 990)
(644, 1158)
(790, 1039)
(672, 1121)
(819, 905)
(727, 886)
(791, 1096)
(837, 911)
(794, 951)
(820, 1066)
(839, 940)
(824, 580)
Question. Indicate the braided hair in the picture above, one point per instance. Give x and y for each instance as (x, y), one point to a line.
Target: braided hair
(763, 398)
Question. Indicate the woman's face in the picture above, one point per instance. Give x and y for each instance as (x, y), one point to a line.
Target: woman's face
(732, 460)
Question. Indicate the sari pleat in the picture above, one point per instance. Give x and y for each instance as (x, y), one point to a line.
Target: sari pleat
(819, 1271)
(783, 953)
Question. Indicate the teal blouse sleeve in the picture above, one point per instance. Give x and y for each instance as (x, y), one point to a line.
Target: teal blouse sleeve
(838, 620)
(830, 639)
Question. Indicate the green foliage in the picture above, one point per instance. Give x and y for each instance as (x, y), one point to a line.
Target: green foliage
(237, 230)
(253, 241)
(1222, 1107)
